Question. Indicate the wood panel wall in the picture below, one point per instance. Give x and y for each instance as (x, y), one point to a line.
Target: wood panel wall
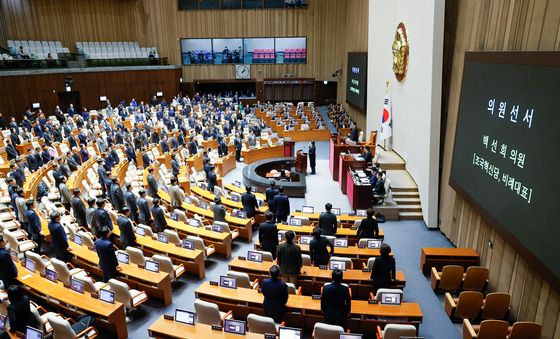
(495, 25)
(18, 92)
(3, 33)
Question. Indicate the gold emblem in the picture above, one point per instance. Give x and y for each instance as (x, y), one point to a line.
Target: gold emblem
(400, 53)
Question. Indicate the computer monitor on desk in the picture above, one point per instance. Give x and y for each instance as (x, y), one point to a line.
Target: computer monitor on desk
(307, 209)
(335, 211)
(388, 298)
(289, 333)
(350, 336)
(107, 296)
(184, 317)
(33, 333)
(234, 326)
(228, 282)
(341, 265)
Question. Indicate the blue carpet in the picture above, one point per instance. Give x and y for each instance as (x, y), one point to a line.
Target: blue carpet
(324, 113)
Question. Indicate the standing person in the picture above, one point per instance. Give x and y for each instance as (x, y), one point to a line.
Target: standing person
(383, 271)
(289, 259)
(89, 213)
(268, 234)
(79, 209)
(211, 179)
(275, 293)
(237, 145)
(160, 223)
(176, 194)
(327, 221)
(34, 225)
(249, 202)
(270, 193)
(312, 157)
(59, 241)
(101, 218)
(318, 248)
(130, 199)
(281, 206)
(9, 272)
(336, 300)
(368, 226)
(219, 210)
(19, 310)
(152, 183)
(117, 195)
(127, 236)
(21, 208)
(65, 196)
(144, 215)
(106, 252)
(102, 176)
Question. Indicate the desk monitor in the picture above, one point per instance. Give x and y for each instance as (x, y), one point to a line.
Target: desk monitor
(194, 223)
(217, 228)
(159, 94)
(174, 216)
(35, 105)
(78, 239)
(122, 257)
(161, 237)
(361, 213)
(241, 214)
(259, 203)
(234, 326)
(335, 211)
(140, 231)
(340, 242)
(390, 298)
(234, 197)
(237, 183)
(295, 222)
(203, 205)
(341, 265)
(50, 275)
(253, 189)
(289, 333)
(374, 243)
(305, 239)
(279, 237)
(307, 209)
(187, 200)
(33, 333)
(107, 296)
(351, 336)
(184, 317)
(77, 286)
(188, 244)
(254, 256)
(2, 323)
(152, 266)
(30, 265)
(103, 98)
(228, 282)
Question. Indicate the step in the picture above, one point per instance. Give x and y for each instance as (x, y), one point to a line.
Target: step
(410, 216)
(410, 208)
(406, 201)
(404, 189)
(398, 195)
(392, 166)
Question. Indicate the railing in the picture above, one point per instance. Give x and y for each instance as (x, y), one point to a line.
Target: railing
(125, 62)
(61, 62)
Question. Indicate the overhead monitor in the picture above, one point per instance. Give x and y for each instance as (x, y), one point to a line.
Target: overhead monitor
(227, 51)
(196, 51)
(356, 80)
(159, 94)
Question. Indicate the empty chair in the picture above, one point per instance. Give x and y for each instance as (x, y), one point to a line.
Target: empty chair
(467, 306)
(396, 331)
(199, 245)
(63, 273)
(304, 220)
(306, 260)
(348, 261)
(41, 261)
(369, 264)
(62, 329)
(19, 246)
(261, 324)
(475, 279)
(209, 313)
(292, 289)
(86, 239)
(226, 229)
(147, 230)
(181, 216)
(496, 306)
(388, 290)
(525, 330)
(326, 331)
(130, 298)
(449, 279)
(243, 280)
(136, 256)
(488, 329)
(172, 236)
(166, 265)
(266, 256)
(90, 285)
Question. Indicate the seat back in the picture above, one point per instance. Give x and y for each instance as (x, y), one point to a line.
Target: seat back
(224, 225)
(326, 331)
(172, 236)
(370, 262)
(260, 324)
(266, 256)
(12, 241)
(62, 271)
(207, 313)
(348, 261)
(61, 328)
(291, 288)
(469, 305)
(182, 216)
(122, 292)
(451, 277)
(40, 265)
(88, 283)
(356, 224)
(306, 260)
(525, 330)
(147, 229)
(304, 220)
(165, 265)
(496, 306)
(136, 256)
(243, 280)
(388, 290)
(396, 331)
(492, 329)
(475, 278)
(86, 239)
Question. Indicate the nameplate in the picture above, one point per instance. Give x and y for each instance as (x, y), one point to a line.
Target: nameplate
(214, 283)
(269, 336)
(322, 267)
(372, 301)
(168, 317)
(241, 258)
(216, 327)
(316, 297)
(366, 270)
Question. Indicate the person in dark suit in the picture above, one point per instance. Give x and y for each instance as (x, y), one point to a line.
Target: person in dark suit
(160, 223)
(383, 271)
(59, 241)
(318, 248)
(211, 179)
(249, 202)
(368, 226)
(34, 225)
(11, 150)
(288, 257)
(101, 218)
(152, 183)
(237, 144)
(368, 157)
(79, 208)
(275, 293)
(128, 238)
(219, 210)
(146, 161)
(144, 215)
(268, 234)
(379, 188)
(19, 310)
(354, 133)
(164, 145)
(222, 148)
(14, 173)
(130, 199)
(175, 166)
(106, 252)
(9, 272)
(130, 153)
(30, 159)
(117, 195)
(270, 193)
(193, 149)
(312, 157)
(336, 301)
(102, 175)
(281, 206)
(327, 221)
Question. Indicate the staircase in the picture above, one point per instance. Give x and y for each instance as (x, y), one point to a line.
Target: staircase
(408, 200)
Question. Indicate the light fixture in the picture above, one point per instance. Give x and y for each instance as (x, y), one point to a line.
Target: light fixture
(325, 82)
(68, 88)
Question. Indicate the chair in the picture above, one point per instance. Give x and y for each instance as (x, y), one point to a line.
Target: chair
(369, 264)
(396, 331)
(348, 261)
(63, 273)
(91, 286)
(326, 331)
(226, 229)
(130, 298)
(63, 329)
(292, 289)
(243, 280)
(467, 306)
(525, 330)
(41, 261)
(166, 265)
(496, 306)
(266, 256)
(86, 239)
(306, 260)
(173, 237)
(136, 256)
(304, 220)
(364, 241)
(488, 329)
(209, 313)
(182, 216)
(475, 279)
(261, 324)
(356, 224)
(147, 230)
(388, 192)
(199, 245)
(41, 317)
(449, 279)
(20, 246)
(388, 290)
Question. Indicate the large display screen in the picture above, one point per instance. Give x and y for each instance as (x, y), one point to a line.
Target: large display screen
(356, 80)
(506, 156)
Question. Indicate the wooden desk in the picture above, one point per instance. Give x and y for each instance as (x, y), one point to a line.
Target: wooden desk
(107, 316)
(244, 226)
(345, 163)
(31, 184)
(335, 149)
(195, 161)
(226, 164)
(308, 135)
(230, 204)
(162, 328)
(241, 190)
(350, 234)
(221, 241)
(303, 311)
(250, 156)
(345, 219)
(439, 257)
(156, 285)
(359, 195)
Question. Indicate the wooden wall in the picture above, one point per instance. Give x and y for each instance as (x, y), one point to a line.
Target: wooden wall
(18, 92)
(3, 33)
(485, 25)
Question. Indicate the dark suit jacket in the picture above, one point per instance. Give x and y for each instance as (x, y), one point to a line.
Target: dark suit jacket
(101, 218)
(335, 303)
(379, 188)
(175, 167)
(146, 160)
(117, 197)
(128, 238)
(34, 223)
(327, 223)
(270, 193)
(159, 218)
(275, 293)
(268, 236)
(281, 206)
(130, 199)
(58, 236)
(144, 214)
(368, 229)
(212, 181)
(79, 211)
(383, 272)
(249, 204)
(19, 314)
(12, 152)
(9, 269)
(107, 258)
(318, 251)
(152, 186)
(289, 258)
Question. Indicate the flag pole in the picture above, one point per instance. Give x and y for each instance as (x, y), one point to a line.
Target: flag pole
(386, 92)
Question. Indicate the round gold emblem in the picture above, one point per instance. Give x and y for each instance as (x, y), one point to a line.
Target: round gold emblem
(400, 53)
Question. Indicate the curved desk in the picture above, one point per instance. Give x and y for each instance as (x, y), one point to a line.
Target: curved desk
(291, 188)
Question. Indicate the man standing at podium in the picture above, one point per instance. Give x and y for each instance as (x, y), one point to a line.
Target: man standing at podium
(312, 157)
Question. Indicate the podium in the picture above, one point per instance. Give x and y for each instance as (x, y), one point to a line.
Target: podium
(301, 162)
